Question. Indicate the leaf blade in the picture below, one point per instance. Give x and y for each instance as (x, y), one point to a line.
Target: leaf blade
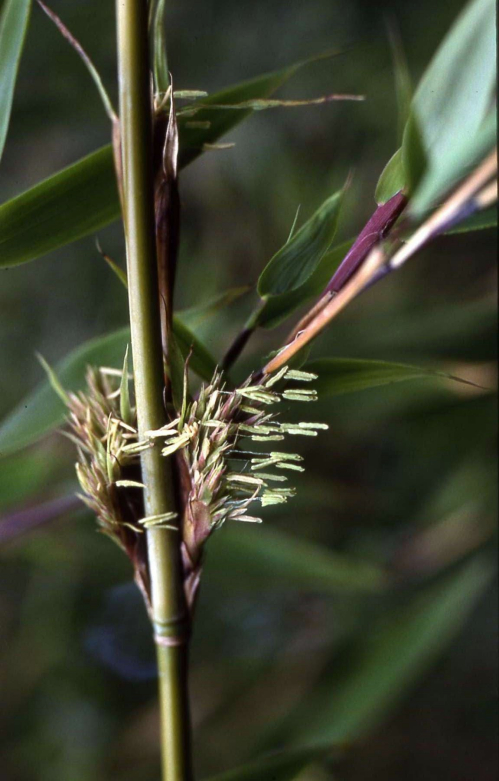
(41, 411)
(450, 123)
(78, 200)
(83, 197)
(395, 656)
(337, 376)
(460, 76)
(392, 180)
(277, 308)
(266, 558)
(284, 766)
(193, 139)
(14, 19)
(293, 264)
(159, 58)
(437, 182)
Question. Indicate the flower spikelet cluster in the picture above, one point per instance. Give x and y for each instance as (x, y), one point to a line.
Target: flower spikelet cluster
(103, 426)
(218, 439)
(220, 442)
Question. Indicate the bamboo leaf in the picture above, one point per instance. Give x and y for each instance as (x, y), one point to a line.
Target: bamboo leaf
(346, 375)
(83, 198)
(414, 154)
(460, 76)
(263, 558)
(53, 379)
(395, 656)
(278, 767)
(402, 78)
(392, 179)
(277, 308)
(298, 259)
(201, 362)
(194, 316)
(262, 104)
(450, 126)
(13, 25)
(460, 160)
(212, 123)
(77, 201)
(41, 411)
(454, 97)
(477, 222)
(159, 57)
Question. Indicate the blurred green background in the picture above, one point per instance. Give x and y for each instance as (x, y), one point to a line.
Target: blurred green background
(404, 480)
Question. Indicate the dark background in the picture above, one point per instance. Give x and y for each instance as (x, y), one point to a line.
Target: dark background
(76, 663)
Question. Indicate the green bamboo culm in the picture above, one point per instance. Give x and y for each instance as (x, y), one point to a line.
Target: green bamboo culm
(169, 612)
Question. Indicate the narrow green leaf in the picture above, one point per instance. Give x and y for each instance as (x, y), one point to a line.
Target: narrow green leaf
(293, 226)
(53, 379)
(196, 315)
(263, 104)
(159, 56)
(279, 767)
(275, 309)
(42, 410)
(194, 138)
(13, 25)
(392, 179)
(201, 362)
(455, 94)
(262, 558)
(77, 201)
(414, 154)
(346, 375)
(83, 198)
(402, 78)
(477, 222)
(298, 259)
(395, 656)
(118, 270)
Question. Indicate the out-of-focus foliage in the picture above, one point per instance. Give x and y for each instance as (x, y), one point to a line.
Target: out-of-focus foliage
(83, 198)
(365, 610)
(13, 23)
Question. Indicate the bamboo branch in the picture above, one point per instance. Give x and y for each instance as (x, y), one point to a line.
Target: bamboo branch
(168, 609)
(475, 193)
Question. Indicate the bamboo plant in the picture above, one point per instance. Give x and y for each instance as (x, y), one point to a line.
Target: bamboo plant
(165, 460)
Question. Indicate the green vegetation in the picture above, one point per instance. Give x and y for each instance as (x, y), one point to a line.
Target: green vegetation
(245, 354)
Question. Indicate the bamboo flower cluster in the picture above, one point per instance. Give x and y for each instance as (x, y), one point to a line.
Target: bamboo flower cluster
(221, 476)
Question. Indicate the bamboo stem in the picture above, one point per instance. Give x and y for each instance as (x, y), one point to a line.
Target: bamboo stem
(169, 612)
